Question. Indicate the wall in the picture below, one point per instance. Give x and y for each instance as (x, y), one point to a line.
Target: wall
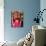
(1, 21)
(43, 6)
(29, 7)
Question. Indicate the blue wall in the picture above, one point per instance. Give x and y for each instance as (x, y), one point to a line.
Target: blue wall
(29, 7)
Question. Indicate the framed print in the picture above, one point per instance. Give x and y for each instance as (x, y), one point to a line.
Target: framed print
(16, 18)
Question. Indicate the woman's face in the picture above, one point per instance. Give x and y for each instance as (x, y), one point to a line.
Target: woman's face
(17, 15)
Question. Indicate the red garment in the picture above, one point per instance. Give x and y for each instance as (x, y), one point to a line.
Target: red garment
(16, 23)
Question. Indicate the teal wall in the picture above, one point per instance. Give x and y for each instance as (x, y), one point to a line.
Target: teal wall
(29, 7)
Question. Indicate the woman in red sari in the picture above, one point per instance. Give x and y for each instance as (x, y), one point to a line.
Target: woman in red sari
(16, 19)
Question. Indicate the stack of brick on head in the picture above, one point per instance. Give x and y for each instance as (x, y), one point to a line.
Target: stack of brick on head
(28, 40)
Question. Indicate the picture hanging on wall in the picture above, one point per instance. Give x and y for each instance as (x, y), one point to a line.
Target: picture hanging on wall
(17, 18)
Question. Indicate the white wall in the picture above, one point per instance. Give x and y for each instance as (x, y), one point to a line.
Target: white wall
(1, 20)
(43, 6)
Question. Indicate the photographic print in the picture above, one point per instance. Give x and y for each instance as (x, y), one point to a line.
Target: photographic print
(16, 18)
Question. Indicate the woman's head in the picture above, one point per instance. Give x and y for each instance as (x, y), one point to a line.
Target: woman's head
(16, 14)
